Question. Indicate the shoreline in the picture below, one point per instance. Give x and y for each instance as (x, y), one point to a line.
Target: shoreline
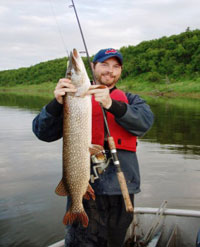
(47, 89)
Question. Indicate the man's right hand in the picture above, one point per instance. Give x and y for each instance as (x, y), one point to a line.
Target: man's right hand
(63, 86)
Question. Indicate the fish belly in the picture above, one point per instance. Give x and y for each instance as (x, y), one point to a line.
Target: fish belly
(76, 143)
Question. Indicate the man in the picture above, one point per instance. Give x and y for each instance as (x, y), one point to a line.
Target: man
(128, 116)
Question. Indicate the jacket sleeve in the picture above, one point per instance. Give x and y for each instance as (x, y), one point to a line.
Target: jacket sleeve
(47, 127)
(138, 117)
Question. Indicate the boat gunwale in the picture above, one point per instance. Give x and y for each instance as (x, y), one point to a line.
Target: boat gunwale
(60, 243)
(170, 211)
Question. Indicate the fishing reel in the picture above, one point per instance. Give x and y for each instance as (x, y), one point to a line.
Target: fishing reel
(99, 161)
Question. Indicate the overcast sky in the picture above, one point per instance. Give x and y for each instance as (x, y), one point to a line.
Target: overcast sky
(40, 30)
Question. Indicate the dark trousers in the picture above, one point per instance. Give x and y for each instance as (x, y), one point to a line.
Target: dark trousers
(108, 223)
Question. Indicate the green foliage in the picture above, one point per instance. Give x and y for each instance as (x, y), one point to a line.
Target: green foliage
(153, 77)
(49, 71)
(176, 57)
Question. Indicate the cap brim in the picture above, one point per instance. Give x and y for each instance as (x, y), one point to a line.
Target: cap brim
(107, 57)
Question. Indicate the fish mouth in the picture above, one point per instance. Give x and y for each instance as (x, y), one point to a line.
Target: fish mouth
(72, 63)
(75, 53)
(69, 67)
(74, 59)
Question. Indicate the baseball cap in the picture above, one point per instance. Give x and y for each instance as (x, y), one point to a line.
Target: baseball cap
(104, 54)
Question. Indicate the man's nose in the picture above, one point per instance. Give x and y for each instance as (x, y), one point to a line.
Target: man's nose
(110, 69)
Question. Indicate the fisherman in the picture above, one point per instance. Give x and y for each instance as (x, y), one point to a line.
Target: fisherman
(128, 117)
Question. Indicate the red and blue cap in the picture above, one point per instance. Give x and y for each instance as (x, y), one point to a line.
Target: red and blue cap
(104, 54)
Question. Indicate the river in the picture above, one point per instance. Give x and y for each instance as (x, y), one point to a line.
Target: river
(30, 212)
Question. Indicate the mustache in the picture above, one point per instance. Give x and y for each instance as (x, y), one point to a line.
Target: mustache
(110, 74)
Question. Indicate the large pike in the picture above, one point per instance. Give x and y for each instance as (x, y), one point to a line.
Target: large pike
(76, 142)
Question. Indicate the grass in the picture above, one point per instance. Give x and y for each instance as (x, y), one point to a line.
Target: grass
(44, 89)
(182, 88)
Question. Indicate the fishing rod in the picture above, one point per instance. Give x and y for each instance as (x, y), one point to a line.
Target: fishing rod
(111, 142)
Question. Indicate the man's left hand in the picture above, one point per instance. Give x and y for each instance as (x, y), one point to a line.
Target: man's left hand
(101, 95)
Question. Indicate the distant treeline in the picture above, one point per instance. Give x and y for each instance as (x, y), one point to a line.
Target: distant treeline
(177, 56)
(49, 71)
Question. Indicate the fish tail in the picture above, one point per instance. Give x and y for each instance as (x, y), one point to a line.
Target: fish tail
(61, 189)
(81, 217)
(89, 193)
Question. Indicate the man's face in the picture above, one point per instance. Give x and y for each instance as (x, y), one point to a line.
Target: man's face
(108, 72)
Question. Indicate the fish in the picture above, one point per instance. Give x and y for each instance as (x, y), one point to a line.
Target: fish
(77, 131)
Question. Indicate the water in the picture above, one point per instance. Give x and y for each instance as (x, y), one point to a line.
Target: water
(30, 212)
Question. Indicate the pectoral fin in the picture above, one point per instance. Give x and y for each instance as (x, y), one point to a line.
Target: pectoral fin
(98, 151)
(95, 149)
(61, 189)
(89, 193)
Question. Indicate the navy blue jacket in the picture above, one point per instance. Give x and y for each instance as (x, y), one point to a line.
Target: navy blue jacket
(137, 118)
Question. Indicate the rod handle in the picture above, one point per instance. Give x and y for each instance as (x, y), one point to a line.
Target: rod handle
(124, 189)
(111, 143)
(120, 176)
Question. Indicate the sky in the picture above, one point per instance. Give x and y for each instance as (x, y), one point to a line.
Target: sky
(35, 31)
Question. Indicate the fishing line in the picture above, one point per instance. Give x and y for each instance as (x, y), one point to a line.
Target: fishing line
(58, 27)
(86, 49)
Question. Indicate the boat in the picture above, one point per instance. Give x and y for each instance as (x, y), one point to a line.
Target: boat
(161, 227)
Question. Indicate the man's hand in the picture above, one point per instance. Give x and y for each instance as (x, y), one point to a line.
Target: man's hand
(101, 95)
(63, 86)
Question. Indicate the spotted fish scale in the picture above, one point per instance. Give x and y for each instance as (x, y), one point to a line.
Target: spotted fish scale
(76, 142)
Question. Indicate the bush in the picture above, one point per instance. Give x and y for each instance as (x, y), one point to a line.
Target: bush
(153, 77)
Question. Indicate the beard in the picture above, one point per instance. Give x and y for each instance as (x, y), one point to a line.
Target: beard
(106, 79)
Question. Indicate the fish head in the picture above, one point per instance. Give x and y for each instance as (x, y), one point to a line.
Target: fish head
(77, 73)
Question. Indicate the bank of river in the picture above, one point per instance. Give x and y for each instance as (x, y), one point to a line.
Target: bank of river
(182, 89)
